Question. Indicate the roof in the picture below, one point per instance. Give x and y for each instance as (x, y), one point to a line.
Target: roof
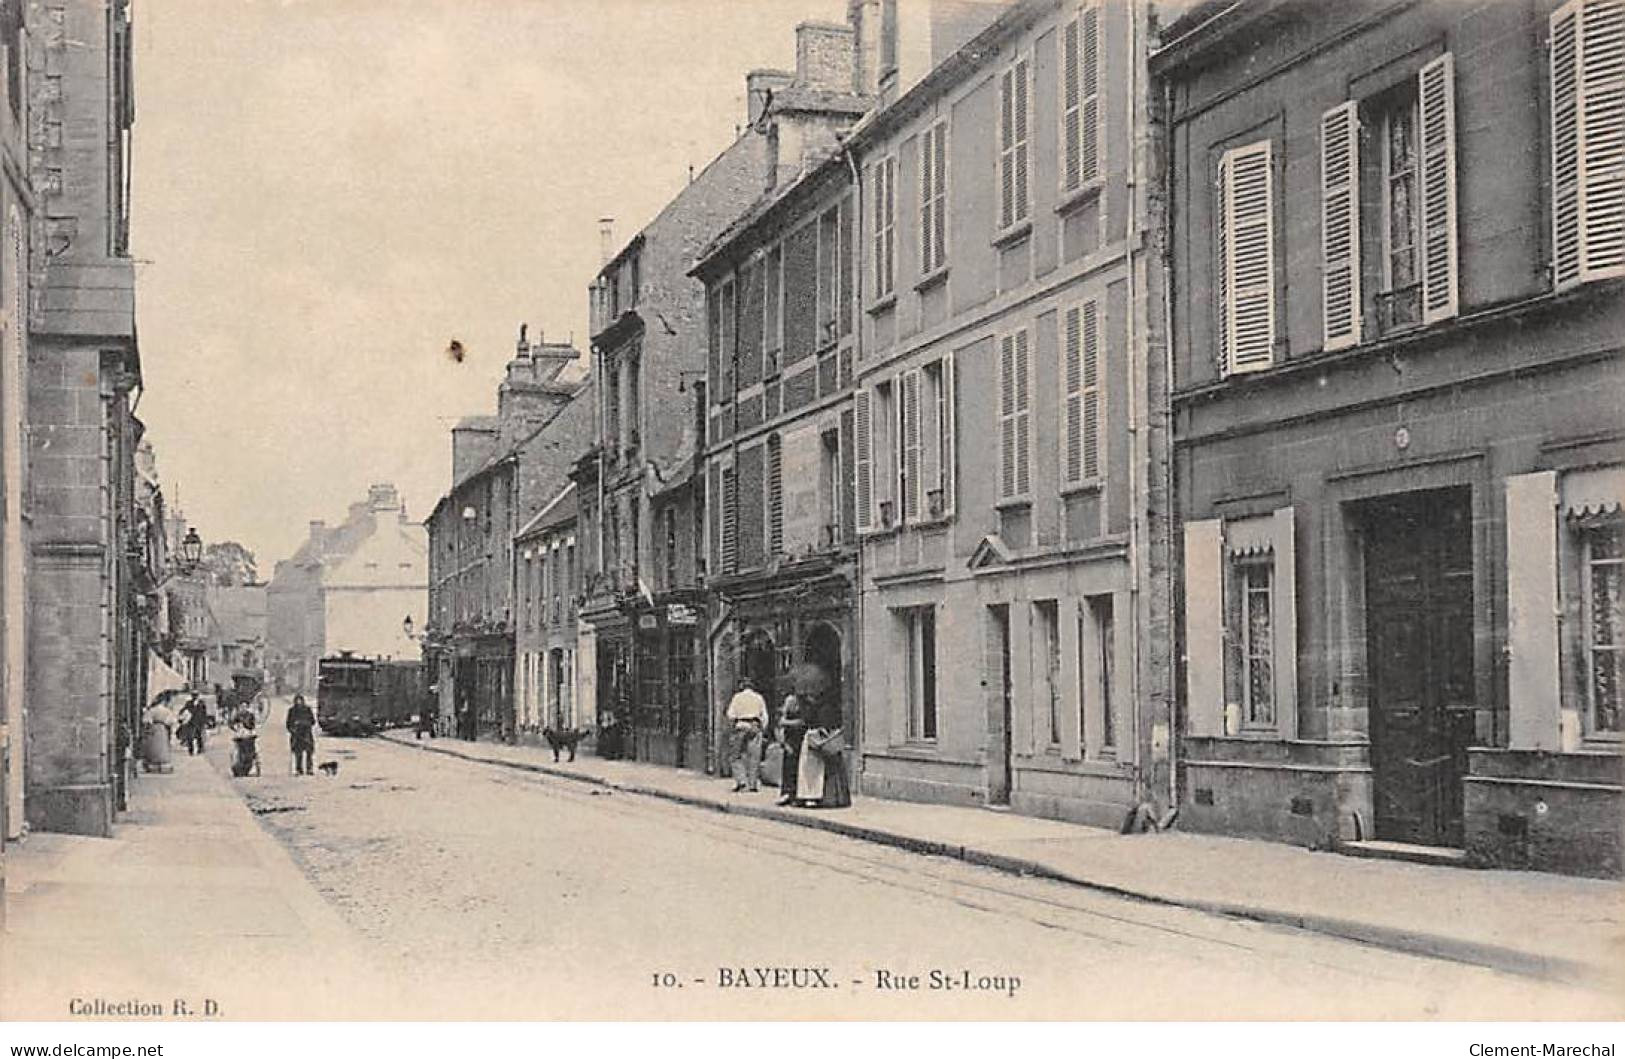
(770, 205)
(560, 510)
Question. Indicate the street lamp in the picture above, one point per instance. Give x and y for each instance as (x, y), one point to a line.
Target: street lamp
(191, 550)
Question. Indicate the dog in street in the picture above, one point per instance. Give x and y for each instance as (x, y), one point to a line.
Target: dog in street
(565, 740)
(329, 768)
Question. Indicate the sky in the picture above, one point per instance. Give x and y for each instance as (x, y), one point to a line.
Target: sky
(327, 192)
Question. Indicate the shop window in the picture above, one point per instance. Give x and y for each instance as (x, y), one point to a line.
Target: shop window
(1047, 626)
(1104, 670)
(1251, 672)
(1601, 558)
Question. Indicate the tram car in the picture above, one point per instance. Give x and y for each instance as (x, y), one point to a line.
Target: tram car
(364, 696)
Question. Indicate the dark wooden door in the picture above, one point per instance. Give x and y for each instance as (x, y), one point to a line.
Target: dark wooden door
(999, 753)
(1419, 635)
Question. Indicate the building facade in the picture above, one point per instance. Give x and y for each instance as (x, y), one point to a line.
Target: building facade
(546, 630)
(83, 364)
(643, 619)
(1007, 426)
(1396, 255)
(348, 587)
(506, 468)
(778, 457)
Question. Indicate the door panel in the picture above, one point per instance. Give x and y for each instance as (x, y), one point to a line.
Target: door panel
(1419, 634)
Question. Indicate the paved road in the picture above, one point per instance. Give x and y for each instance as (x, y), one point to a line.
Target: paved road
(493, 893)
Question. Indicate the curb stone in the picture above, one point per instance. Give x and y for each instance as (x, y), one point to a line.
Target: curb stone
(1394, 939)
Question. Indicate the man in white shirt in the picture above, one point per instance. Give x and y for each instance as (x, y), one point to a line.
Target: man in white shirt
(747, 711)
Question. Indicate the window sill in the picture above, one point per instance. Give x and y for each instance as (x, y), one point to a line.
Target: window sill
(926, 522)
(931, 279)
(1071, 200)
(882, 304)
(1014, 503)
(1013, 234)
(1088, 485)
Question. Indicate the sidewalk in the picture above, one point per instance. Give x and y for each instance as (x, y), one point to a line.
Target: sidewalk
(1532, 924)
(190, 901)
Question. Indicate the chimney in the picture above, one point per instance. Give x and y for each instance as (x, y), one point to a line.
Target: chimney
(606, 239)
(864, 16)
(760, 88)
(824, 52)
(522, 347)
(318, 528)
(382, 497)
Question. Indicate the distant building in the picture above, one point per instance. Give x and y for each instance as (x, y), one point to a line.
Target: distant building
(505, 469)
(347, 588)
(237, 631)
(641, 503)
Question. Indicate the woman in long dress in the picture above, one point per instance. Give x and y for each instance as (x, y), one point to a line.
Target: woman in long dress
(821, 781)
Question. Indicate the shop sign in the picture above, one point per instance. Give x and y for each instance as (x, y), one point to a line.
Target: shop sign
(681, 614)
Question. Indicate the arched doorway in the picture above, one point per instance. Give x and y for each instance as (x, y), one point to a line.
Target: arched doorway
(821, 647)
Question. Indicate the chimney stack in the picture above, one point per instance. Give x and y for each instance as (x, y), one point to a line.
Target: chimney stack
(760, 87)
(606, 238)
(824, 52)
(318, 527)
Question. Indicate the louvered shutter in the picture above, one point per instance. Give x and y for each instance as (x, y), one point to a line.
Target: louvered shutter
(1340, 226)
(1007, 416)
(1023, 413)
(949, 426)
(1588, 141)
(891, 223)
(1007, 158)
(1091, 389)
(775, 495)
(730, 520)
(863, 457)
(1072, 396)
(1071, 97)
(1089, 103)
(1436, 91)
(909, 414)
(928, 231)
(1249, 285)
(1221, 212)
(939, 219)
(877, 188)
(1022, 117)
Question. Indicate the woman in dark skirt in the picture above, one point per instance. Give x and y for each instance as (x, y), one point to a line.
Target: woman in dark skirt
(792, 730)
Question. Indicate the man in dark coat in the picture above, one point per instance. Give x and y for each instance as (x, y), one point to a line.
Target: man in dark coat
(301, 724)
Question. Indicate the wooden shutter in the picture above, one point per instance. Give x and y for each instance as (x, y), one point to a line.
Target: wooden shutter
(1072, 396)
(1221, 213)
(909, 422)
(730, 520)
(928, 231)
(949, 427)
(1534, 688)
(1071, 98)
(1436, 91)
(1007, 416)
(775, 496)
(939, 219)
(1248, 286)
(863, 457)
(1091, 391)
(1587, 51)
(1007, 158)
(1023, 412)
(1204, 627)
(1340, 226)
(890, 169)
(877, 189)
(1089, 102)
(1022, 117)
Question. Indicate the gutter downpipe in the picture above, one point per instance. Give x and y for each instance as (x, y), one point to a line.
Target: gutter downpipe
(1170, 470)
(1138, 446)
(857, 740)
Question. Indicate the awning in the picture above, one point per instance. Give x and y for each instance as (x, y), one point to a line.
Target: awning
(161, 678)
(1599, 491)
(1250, 536)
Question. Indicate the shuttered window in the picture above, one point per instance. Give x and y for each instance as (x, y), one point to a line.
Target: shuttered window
(1014, 157)
(772, 311)
(1587, 51)
(1081, 394)
(1080, 100)
(1247, 259)
(1015, 401)
(1340, 226)
(908, 414)
(933, 198)
(730, 521)
(727, 351)
(947, 455)
(775, 496)
(1436, 99)
(863, 458)
(883, 185)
